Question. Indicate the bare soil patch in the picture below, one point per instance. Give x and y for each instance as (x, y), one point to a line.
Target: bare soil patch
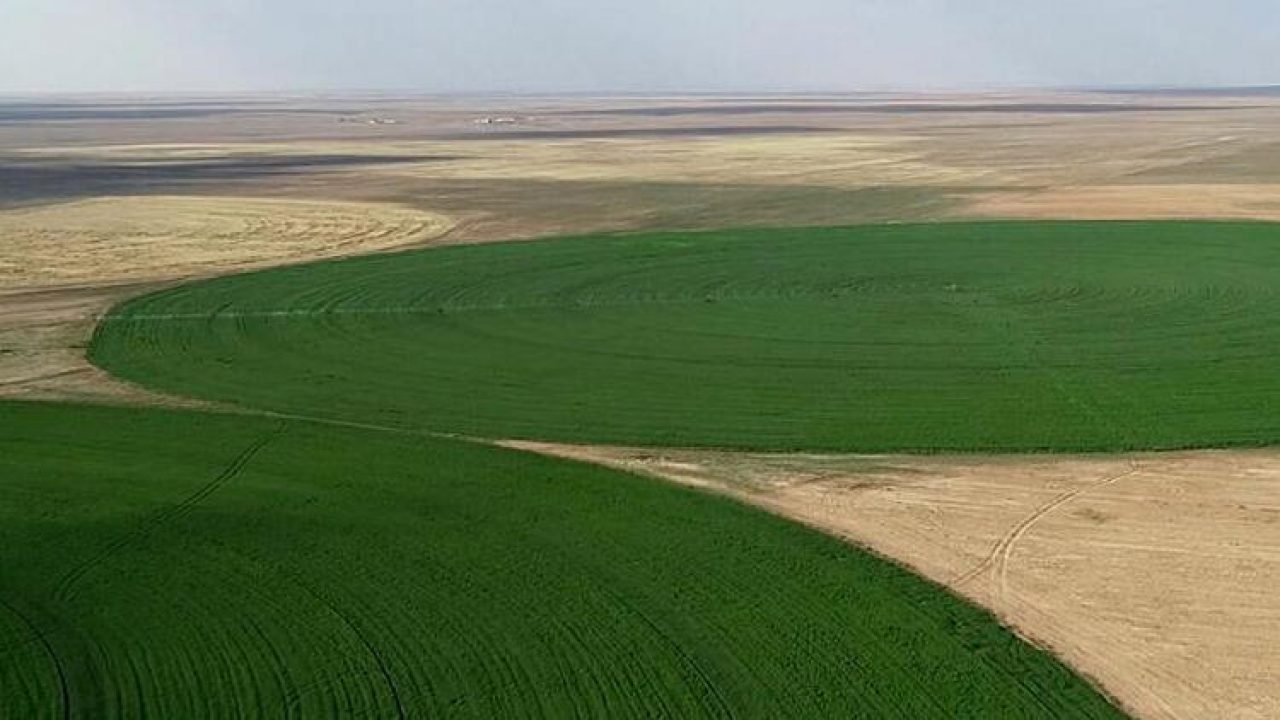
(63, 265)
(1135, 202)
(1154, 574)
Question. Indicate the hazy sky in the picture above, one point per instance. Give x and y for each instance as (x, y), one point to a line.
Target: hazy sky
(631, 45)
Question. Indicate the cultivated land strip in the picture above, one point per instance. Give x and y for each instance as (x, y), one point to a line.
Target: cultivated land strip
(159, 237)
(424, 576)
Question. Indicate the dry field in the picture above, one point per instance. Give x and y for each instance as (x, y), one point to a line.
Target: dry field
(1154, 574)
(1255, 201)
(134, 239)
(62, 265)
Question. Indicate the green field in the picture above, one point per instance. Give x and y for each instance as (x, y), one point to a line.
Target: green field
(331, 554)
(181, 565)
(1008, 336)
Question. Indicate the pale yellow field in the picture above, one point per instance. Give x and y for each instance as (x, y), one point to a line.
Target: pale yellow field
(1239, 201)
(63, 265)
(825, 159)
(129, 239)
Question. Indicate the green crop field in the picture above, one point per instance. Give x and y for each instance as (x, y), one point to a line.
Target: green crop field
(180, 565)
(1001, 336)
(331, 554)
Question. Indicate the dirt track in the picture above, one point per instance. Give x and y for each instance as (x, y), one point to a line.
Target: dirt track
(1154, 574)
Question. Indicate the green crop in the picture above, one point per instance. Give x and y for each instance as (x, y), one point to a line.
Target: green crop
(946, 337)
(182, 565)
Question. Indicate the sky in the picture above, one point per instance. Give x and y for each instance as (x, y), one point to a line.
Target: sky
(545, 46)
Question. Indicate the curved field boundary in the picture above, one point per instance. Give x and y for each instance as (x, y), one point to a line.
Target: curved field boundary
(159, 237)
(350, 572)
(951, 337)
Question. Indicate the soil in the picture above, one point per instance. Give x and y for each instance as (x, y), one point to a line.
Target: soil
(1153, 574)
(63, 265)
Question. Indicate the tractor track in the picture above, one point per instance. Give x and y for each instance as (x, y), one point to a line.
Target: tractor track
(229, 473)
(1002, 551)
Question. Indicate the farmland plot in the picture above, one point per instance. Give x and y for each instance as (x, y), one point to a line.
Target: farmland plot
(957, 337)
(169, 564)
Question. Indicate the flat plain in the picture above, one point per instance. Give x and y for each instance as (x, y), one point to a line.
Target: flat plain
(1199, 532)
(593, 164)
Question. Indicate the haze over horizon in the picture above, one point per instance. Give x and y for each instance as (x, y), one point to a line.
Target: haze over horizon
(661, 46)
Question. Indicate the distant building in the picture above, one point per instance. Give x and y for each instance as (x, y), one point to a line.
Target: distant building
(369, 121)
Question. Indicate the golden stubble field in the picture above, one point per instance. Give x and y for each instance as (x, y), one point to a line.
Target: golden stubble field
(135, 239)
(1153, 574)
(62, 265)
